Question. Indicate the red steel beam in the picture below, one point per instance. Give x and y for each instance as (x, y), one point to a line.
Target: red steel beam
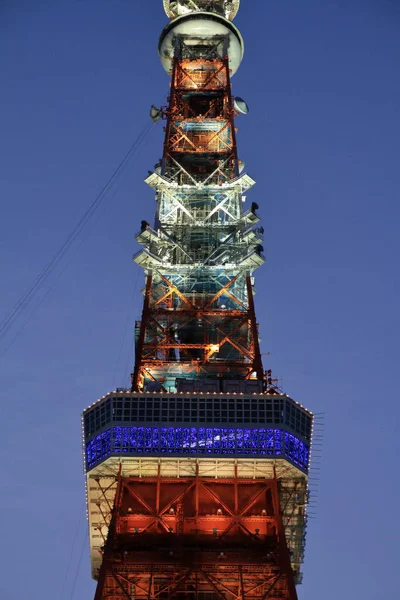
(143, 325)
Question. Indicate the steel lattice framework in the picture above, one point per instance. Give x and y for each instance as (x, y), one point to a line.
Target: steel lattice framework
(197, 475)
(189, 563)
(198, 315)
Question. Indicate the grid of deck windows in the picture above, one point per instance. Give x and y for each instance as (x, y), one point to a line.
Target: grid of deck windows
(235, 409)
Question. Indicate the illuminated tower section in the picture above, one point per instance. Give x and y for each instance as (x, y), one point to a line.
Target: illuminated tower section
(197, 475)
(198, 317)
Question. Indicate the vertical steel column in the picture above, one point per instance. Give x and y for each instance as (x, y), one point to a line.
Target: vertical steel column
(283, 553)
(143, 324)
(258, 367)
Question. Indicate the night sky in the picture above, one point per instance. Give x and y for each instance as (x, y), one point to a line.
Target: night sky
(322, 141)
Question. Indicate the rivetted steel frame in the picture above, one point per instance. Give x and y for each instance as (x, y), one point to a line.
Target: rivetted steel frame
(198, 315)
(199, 538)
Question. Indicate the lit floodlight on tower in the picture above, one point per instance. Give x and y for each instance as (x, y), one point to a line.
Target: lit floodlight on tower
(197, 475)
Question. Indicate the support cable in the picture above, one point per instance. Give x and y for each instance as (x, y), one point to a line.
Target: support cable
(43, 298)
(69, 563)
(33, 289)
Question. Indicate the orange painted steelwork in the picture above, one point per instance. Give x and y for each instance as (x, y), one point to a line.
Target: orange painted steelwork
(197, 538)
(236, 328)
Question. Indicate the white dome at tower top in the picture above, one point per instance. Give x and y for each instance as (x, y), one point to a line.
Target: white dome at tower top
(225, 8)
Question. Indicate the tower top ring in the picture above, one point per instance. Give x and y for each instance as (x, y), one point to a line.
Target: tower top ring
(178, 8)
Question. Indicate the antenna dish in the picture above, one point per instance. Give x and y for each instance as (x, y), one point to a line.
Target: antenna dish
(240, 106)
(155, 113)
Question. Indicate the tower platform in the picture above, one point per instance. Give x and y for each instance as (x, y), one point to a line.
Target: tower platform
(161, 443)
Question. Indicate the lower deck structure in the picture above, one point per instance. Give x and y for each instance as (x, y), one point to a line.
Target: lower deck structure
(175, 502)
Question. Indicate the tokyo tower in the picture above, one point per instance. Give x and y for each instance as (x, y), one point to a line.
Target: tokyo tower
(197, 476)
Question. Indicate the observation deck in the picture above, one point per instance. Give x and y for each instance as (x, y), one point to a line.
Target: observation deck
(181, 436)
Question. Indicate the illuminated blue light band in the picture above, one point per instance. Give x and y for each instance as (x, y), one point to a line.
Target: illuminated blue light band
(199, 441)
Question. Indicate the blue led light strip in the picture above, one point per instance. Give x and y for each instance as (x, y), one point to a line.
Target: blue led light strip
(199, 441)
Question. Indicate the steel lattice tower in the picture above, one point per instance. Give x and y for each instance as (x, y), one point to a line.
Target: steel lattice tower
(197, 476)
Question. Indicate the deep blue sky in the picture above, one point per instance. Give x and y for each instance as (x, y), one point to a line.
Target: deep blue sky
(322, 141)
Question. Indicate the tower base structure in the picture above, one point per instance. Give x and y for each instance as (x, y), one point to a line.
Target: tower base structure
(199, 537)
